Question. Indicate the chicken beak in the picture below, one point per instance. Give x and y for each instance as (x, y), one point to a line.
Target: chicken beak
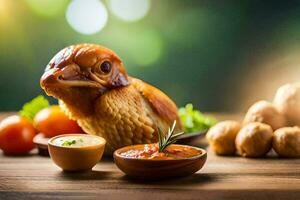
(66, 77)
(119, 81)
(50, 77)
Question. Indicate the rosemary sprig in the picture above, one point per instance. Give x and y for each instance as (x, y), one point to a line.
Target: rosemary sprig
(170, 138)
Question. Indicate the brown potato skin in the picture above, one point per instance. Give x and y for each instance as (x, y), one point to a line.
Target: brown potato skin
(287, 101)
(286, 142)
(254, 140)
(221, 137)
(265, 112)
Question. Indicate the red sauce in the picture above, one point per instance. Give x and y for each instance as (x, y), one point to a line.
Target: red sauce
(150, 151)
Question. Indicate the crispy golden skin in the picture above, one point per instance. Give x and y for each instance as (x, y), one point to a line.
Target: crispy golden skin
(108, 103)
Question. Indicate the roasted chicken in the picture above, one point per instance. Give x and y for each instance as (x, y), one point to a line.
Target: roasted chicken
(94, 89)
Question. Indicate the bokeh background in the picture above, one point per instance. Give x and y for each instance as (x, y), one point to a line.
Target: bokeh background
(219, 55)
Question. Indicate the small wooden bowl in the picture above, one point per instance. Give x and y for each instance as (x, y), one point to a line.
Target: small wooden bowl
(42, 144)
(157, 169)
(76, 158)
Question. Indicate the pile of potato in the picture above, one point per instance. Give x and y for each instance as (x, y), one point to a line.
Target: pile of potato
(266, 125)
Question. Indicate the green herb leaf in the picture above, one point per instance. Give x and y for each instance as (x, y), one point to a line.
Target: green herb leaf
(30, 109)
(193, 120)
(167, 139)
(69, 142)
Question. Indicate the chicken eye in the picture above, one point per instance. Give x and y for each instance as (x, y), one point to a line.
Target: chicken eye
(105, 67)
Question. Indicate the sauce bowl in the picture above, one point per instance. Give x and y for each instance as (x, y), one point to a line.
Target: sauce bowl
(144, 168)
(76, 158)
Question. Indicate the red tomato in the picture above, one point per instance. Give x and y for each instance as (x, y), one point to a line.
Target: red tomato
(53, 121)
(16, 135)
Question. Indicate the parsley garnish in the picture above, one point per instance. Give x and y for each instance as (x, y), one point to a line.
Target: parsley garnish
(69, 142)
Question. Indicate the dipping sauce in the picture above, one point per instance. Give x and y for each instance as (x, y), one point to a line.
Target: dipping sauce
(76, 152)
(76, 141)
(150, 151)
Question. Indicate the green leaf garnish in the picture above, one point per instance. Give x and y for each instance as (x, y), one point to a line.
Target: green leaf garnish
(170, 138)
(30, 109)
(193, 120)
(68, 142)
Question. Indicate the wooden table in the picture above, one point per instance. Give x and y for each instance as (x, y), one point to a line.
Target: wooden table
(36, 177)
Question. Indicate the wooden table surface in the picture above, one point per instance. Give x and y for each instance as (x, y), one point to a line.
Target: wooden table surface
(36, 177)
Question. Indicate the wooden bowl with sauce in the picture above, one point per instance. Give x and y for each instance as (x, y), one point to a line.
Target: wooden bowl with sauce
(76, 152)
(145, 162)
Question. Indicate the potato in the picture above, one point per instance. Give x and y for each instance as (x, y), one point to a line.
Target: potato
(254, 140)
(265, 112)
(221, 137)
(287, 101)
(286, 142)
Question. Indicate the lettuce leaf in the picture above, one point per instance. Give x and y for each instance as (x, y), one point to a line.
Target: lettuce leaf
(31, 108)
(193, 120)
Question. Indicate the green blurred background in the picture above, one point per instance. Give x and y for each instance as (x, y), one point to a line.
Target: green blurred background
(219, 55)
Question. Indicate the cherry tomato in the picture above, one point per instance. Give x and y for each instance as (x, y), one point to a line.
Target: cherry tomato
(53, 121)
(16, 135)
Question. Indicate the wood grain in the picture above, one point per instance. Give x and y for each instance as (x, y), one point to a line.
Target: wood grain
(36, 177)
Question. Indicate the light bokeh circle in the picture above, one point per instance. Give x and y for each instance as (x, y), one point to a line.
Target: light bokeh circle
(148, 48)
(87, 16)
(130, 10)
